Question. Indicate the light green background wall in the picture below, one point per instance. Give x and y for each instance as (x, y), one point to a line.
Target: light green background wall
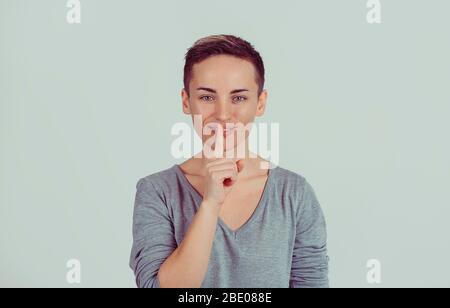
(86, 110)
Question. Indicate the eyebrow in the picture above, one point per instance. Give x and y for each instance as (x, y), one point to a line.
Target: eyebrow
(214, 91)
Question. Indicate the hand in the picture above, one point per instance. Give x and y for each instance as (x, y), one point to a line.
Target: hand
(221, 175)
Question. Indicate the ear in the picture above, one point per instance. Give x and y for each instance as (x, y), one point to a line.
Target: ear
(185, 102)
(262, 100)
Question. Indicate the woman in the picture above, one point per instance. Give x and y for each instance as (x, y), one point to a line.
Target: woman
(221, 220)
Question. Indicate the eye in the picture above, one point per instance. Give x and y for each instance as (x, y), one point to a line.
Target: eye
(206, 98)
(239, 99)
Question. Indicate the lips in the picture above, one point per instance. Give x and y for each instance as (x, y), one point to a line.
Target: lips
(227, 129)
(227, 132)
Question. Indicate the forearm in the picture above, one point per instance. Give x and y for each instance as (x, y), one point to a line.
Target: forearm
(186, 267)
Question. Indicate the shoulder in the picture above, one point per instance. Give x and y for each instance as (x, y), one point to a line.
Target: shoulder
(290, 181)
(294, 186)
(159, 181)
(158, 184)
(154, 191)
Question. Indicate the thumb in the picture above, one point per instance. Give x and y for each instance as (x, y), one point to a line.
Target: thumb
(240, 165)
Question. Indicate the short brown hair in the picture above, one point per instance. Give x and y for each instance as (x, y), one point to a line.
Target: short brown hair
(223, 45)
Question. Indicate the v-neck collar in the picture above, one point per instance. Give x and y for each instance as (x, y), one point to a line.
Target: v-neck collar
(261, 203)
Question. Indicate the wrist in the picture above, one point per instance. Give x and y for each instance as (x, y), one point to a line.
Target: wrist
(210, 206)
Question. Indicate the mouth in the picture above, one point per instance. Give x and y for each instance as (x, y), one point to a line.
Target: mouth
(227, 129)
(228, 132)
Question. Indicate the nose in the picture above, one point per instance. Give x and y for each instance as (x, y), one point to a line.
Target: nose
(223, 111)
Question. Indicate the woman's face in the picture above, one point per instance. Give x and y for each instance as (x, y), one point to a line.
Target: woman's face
(223, 90)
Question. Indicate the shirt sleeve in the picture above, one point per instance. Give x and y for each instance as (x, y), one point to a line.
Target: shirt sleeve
(153, 235)
(310, 260)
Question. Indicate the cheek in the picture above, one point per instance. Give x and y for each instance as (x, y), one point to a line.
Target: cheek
(200, 115)
(203, 109)
(245, 114)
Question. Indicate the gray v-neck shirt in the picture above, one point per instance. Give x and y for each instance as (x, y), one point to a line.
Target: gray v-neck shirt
(282, 244)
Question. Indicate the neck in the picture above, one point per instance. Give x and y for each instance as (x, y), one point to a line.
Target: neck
(251, 160)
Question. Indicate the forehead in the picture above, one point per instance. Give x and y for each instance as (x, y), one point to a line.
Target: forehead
(224, 71)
